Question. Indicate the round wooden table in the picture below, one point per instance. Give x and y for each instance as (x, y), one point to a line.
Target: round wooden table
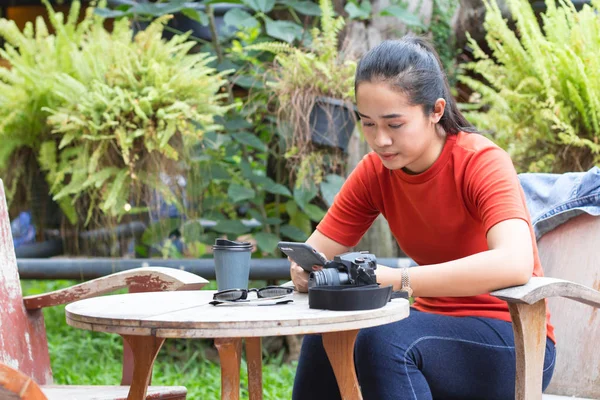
(144, 320)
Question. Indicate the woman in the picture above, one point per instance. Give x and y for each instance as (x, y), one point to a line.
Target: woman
(453, 202)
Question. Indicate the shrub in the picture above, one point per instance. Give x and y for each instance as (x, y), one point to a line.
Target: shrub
(540, 93)
(300, 76)
(111, 113)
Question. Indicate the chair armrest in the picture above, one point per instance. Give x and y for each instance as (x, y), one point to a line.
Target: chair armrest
(539, 288)
(14, 384)
(145, 279)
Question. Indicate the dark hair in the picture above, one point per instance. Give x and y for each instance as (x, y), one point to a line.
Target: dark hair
(412, 66)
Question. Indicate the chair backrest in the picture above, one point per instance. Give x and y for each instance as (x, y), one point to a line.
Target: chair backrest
(23, 343)
(572, 252)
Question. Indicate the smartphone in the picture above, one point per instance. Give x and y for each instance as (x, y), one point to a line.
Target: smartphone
(302, 254)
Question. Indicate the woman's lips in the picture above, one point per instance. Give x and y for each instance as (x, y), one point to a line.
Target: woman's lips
(387, 156)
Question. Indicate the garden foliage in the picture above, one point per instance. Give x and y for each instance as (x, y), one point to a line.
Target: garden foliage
(103, 114)
(540, 94)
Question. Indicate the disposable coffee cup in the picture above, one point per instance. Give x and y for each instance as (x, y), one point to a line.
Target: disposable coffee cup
(232, 263)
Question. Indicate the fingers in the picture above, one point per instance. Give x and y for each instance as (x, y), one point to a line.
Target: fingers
(319, 267)
(299, 277)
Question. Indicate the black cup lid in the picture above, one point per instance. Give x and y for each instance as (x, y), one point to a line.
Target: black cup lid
(225, 244)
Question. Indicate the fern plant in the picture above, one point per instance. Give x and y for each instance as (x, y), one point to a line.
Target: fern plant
(300, 77)
(26, 89)
(321, 69)
(541, 91)
(113, 114)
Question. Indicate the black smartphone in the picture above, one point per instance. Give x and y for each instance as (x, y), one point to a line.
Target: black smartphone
(302, 254)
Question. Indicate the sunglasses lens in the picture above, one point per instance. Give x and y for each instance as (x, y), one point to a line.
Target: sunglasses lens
(229, 295)
(274, 291)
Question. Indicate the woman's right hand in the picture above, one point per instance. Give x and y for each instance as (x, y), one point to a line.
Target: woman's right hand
(299, 277)
(324, 245)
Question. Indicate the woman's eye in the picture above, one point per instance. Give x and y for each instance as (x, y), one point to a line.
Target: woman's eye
(395, 126)
(367, 123)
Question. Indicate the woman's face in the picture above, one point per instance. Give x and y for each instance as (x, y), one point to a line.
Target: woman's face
(401, 134)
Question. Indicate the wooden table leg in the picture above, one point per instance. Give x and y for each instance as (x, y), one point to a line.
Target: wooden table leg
(145, 349)
(127, 373)
(254, 361)
(230, 355)
(339, 347)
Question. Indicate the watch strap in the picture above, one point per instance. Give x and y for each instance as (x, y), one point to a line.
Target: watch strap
(405, 282)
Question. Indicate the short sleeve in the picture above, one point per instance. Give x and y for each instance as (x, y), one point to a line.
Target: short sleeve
(353, 210)
(493, 189)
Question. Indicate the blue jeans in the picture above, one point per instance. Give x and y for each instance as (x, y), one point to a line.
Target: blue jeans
(426, 356)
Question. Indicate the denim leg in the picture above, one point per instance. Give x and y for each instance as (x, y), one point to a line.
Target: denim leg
(429, 356)
(315, 379)
(426, 356)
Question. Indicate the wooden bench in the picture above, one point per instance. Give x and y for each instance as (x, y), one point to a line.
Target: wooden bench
(569, 253)
(24, 357)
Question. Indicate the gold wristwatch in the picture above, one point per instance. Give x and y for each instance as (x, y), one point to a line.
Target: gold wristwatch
(405, 282)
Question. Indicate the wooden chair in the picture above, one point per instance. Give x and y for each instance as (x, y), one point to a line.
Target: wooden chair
(23, 343)
(569, 253)
(15, 385)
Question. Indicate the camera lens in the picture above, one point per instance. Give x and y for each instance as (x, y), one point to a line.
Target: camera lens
(327, 277)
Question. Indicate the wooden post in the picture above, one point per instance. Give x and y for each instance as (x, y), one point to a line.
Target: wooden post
(529, 326)
(23, 342)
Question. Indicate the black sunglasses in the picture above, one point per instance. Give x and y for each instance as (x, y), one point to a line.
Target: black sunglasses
(262, 293)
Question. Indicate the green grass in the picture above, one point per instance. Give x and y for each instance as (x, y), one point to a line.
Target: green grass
(82, 357)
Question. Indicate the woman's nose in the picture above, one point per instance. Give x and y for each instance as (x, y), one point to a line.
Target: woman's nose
(382, 139)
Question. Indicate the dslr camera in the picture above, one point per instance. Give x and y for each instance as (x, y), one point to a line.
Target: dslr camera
(354, 268)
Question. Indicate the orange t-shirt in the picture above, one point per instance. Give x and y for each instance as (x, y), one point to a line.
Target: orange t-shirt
(440, 215)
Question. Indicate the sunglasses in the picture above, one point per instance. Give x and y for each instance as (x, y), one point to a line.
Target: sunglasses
(268, 292)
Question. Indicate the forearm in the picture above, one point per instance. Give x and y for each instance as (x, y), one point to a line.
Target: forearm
(326, 245)
(477, 274)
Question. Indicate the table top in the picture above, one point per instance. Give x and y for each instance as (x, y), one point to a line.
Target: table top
(188, 314)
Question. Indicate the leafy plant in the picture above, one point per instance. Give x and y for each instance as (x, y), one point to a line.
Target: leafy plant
(256, 14)
(237, 185)
(229, 188)
(25, 90)
(122, 112)
(540, 93)
(443, 37)
(315, 68)
(363, 11)
(300, 76)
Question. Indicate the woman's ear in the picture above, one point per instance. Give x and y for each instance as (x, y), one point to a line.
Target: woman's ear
(438, 110)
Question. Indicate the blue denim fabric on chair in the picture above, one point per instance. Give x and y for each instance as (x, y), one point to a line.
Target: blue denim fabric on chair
(553, 199)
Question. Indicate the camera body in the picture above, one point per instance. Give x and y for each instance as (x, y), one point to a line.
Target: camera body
(353, 268)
